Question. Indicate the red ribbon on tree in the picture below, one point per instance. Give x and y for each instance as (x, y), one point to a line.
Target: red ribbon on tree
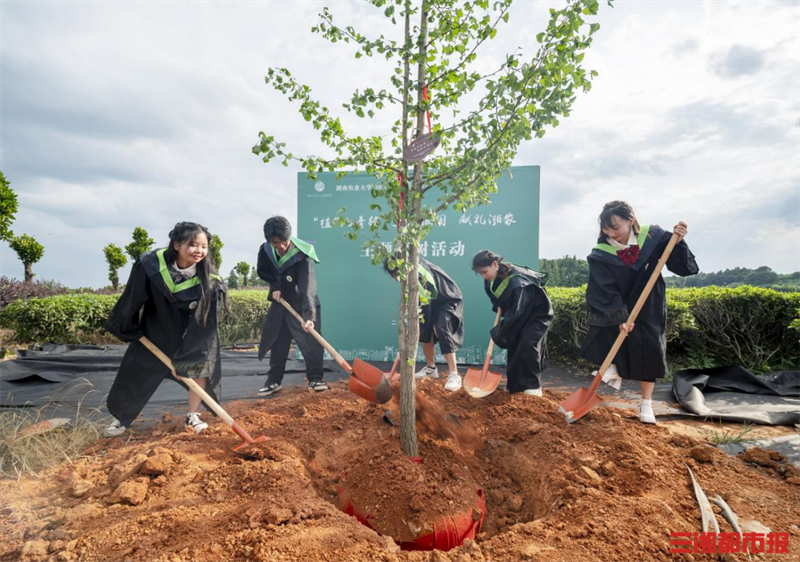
(629, 255)
(427, 112)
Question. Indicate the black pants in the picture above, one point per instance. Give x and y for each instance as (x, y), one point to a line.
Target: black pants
(528, 358)
(310, 348)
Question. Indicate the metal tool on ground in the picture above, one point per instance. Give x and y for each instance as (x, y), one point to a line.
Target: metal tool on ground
(44, 426)
(366, 381)
(706, 513)
(481, 383)
(210, 402)
(584, 399)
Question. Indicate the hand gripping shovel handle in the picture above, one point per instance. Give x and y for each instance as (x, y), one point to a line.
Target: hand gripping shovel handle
(635, 312)
(339, 359)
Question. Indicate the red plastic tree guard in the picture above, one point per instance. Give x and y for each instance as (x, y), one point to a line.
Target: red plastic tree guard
(449, 532)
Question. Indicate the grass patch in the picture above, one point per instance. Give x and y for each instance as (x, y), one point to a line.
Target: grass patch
(728, 436)
(25, 451)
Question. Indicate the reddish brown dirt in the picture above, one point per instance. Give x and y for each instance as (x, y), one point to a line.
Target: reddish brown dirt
(604, 488)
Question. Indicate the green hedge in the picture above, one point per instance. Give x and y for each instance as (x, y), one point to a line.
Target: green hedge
(80, 318)
(707, 326)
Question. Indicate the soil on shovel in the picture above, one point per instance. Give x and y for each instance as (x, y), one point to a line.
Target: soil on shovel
(604, 488)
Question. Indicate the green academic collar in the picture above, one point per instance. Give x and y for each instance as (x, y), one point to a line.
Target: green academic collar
(504, 283)
(640, 240)
(163, 269)
(299, 246)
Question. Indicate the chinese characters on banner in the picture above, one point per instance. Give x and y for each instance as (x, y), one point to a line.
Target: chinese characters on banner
(429, 248)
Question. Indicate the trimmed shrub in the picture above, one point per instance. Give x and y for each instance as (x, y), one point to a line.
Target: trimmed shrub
(707, 326)
(79, 318)
(61, 318)
(747, 326)
(248, 309)
(13, 289)
(569, 326)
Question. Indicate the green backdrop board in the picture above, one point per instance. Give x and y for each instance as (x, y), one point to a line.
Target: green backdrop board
(360, 302)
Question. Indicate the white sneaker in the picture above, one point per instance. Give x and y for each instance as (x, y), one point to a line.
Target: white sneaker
(533, 391)
(427, 372)
(453, 382)
(193, 420)
(115, 429)
(646, 414)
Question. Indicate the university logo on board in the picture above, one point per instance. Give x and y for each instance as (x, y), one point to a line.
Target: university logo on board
(319, 186)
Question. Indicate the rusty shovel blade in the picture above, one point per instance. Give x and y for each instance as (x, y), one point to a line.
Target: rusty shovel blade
(578, 404)
(369, 382)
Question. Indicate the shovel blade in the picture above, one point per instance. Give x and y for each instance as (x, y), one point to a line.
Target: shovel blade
(369, 382)
(479, 384)
(578, 404)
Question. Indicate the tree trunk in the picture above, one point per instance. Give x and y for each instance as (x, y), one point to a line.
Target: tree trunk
(244, 280)
(29, 272)
(409, 306)
(114, 278)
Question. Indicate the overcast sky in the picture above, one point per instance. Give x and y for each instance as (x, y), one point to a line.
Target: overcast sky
(139, 113)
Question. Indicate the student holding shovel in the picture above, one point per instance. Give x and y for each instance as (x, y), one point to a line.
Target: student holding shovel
(442, 320)
(173, 297)
(519, 293)
(619, 268)
(287, 264)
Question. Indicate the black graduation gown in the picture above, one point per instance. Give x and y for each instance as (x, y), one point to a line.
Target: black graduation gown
(522, 330)
(293, 276)
(444, 312)
(155, 305)
(611, 294)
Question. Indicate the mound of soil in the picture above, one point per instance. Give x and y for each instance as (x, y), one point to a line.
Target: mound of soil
(604, 488)
(402, 498)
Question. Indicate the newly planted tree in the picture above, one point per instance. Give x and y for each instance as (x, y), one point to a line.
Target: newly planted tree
(141, 243)
(478, 118)
(29, 252)
(115, 259)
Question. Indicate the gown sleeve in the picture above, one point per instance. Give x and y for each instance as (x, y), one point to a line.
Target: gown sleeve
(606, 305)
(681, 261)
(267, 272)
(307, 282)
(516, 308)
(125, 316)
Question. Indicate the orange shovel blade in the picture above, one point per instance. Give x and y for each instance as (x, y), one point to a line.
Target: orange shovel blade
(369, 382)
(479, 384)
(578, 404)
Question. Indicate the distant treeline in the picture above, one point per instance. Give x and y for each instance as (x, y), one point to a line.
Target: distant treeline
(570, 271)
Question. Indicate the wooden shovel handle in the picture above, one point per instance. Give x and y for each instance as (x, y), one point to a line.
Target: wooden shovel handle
(339, 359)
(193, 386)
(635, 312)
(490, 349)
